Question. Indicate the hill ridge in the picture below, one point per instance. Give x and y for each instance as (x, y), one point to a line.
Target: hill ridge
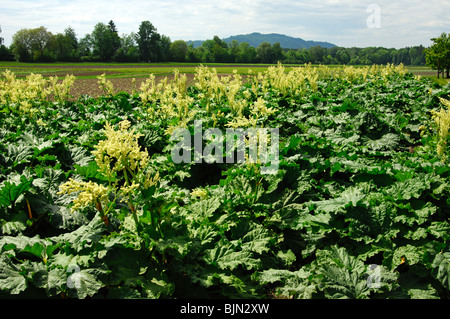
(254, 39)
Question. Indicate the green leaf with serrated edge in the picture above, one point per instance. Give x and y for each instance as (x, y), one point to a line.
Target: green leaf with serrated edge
(410, 188)
(157, 285)
(388, 141)
(288, 257)
(351, 196)
(52, 281)
(85, 235)
(427, 292)
(411, 253)
(49, 182)
(441, 268)
(80, 156)
(180, 245)
(206, 233)
(417, 284)
(18, 154)
(83, 283)
(258, 240)
(439, 229)
(348, 277)
(15, 226)
(225, 256)
(11, 279)
(21, 241)
(294, 284)
(205, 208)
(374, 223)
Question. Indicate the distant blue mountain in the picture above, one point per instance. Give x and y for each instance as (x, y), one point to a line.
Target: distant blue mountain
(255, 39)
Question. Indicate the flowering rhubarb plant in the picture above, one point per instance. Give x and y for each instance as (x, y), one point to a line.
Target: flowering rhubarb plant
(123, 164)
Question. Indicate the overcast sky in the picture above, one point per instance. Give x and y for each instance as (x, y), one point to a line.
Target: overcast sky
(348, 23)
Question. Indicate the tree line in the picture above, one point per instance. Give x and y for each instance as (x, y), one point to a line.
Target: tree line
(438, 55)
(104, 44)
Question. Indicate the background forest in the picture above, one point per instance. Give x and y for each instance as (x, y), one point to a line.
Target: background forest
(105, 44)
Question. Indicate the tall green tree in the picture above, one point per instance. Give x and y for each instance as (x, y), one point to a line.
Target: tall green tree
(277, 52)
(192, 54)
(343, 57)
(103, 42)
(5, 53)
(148, 39)
(114, 34)
(163, 48)
(220, 50)
(381, 56)
(41, 40)
(71, 37)
(178, 50)
(233, 50)
(31, 44)
(246, 53)
(205, 51)
(438, 55)
(64, 46)
(128, 51)
(60, 47)
(264, 52)
(416, 55)
(85, 47)
(317, 54)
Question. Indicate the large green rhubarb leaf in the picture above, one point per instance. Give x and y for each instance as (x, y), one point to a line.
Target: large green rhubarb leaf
(441, 268)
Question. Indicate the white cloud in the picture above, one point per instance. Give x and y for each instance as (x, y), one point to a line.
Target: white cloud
(403, 23)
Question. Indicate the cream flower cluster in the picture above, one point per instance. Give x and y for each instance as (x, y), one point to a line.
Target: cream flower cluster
(120, 150)
(149, 90)
(442, 120)
(20, 95)
(199, 192)
(299, 80)
(168, 100)
(61, 89)
(90, 193)
(106, 85)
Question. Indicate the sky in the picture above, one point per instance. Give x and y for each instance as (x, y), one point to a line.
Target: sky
(346, 23)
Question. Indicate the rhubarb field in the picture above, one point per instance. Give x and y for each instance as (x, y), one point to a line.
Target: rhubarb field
(93, 205)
